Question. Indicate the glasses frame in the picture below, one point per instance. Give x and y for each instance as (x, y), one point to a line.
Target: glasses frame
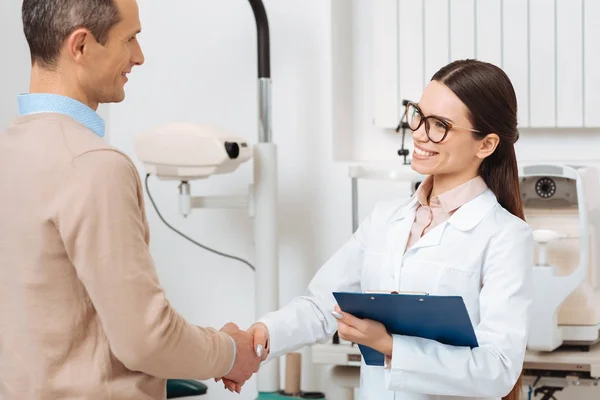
(447, 124)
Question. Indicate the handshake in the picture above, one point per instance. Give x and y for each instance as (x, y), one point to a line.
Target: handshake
(252, 347)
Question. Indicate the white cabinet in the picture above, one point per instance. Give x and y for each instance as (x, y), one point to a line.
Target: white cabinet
(386, 106)
(411, 72)
(591, 62)
(514, 32)
(550, 49)
(569, 68)
(542, 63)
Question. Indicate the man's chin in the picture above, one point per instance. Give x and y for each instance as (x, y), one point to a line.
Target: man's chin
(115, 98)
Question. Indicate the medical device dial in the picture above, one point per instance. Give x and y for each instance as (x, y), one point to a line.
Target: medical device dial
(545, 187)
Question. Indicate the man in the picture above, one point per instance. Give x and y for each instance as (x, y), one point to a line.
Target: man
(82, 314)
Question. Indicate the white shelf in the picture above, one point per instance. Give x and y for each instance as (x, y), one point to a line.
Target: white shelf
(558, 360)
(402, 173)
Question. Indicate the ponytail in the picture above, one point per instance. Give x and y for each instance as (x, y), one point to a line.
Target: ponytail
(501, 174)
(515, 393)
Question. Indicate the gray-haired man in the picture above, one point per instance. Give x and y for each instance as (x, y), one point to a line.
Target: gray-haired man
(82, 313)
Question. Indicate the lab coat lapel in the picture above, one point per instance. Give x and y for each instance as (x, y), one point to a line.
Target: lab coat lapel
(397, 235)
(464, 219)
(398, 232)
(431, 238)
(472, 213)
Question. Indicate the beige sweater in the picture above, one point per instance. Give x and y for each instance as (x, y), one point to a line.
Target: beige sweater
(82, 314)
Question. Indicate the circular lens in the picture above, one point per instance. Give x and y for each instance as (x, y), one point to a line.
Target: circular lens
(436, 129)
(545, 188)
(413, 117)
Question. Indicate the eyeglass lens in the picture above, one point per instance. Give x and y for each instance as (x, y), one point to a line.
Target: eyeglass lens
(435, 128)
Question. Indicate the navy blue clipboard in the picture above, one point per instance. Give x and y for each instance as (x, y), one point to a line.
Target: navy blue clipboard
(441, 318)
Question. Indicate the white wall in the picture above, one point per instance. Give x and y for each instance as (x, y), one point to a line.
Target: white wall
(201, 67)
(14, 64)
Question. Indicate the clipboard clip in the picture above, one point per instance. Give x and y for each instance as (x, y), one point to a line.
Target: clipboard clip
(395, 292)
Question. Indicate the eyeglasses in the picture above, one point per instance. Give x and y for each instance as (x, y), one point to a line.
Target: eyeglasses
(435, 127)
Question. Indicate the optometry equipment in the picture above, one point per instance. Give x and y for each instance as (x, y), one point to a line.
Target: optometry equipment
(187, 152)
(562, 205)
(184, 152)
(403, 125)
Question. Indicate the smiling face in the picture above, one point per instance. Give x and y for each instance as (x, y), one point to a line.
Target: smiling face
(101, 69)
(459, 155)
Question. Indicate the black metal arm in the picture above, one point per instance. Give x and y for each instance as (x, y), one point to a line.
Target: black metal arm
(262, 34)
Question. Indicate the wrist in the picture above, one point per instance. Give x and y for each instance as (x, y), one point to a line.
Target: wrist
(234, 355)
(386, 345)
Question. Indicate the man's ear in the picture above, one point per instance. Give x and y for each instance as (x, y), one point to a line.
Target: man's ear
(487, 145)
(78, 43)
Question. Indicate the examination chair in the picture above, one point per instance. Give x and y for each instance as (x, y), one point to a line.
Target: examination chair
(177, 388)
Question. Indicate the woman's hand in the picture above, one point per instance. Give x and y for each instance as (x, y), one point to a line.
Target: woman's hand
(363, 331)
(261, 340)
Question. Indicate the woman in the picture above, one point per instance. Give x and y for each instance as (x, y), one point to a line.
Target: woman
(461, 234)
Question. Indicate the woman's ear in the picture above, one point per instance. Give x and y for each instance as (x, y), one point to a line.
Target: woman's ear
(487, 145)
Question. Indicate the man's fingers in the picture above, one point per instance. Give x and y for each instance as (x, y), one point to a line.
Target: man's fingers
(236, 387)
(230, 327)
(232, 386)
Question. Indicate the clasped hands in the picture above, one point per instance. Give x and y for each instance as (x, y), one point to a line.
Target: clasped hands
(252, 348)
(253, 344)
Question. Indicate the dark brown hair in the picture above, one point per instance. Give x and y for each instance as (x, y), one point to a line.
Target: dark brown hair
(47, 23)
(490, 97)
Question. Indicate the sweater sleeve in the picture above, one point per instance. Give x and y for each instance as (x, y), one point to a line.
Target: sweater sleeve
(101, 221)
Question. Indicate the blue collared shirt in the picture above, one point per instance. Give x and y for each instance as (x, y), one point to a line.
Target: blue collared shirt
(52, 103)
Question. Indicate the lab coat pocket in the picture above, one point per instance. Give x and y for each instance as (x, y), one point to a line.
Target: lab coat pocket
(459, 281)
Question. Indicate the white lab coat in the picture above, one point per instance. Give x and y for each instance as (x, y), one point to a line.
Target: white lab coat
(482, 253)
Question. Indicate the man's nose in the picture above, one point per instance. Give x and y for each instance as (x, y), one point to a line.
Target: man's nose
(137, 55)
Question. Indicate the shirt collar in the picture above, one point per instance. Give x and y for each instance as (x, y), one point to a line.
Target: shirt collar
(52, 103)
(464, 218)
(454, 198)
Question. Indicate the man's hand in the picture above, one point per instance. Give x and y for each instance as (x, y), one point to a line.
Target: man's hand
(246, 361)
(260, 335)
